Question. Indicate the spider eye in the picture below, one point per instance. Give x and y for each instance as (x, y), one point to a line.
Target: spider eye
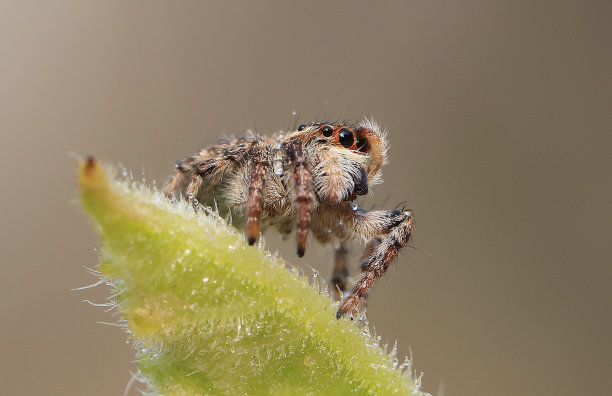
(362, 145)
(327, 131)
(301, 127)
(346, 137)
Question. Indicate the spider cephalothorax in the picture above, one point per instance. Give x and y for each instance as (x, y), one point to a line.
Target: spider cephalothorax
(306, 178)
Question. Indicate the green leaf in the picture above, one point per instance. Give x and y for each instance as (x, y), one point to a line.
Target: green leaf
(209, 314)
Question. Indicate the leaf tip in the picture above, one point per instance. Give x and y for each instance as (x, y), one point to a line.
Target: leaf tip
(91, 175)
(90, 164)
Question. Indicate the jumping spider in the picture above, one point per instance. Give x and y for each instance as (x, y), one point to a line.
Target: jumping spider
(310, 177)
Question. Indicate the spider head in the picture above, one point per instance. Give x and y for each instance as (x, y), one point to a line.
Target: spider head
(346, 159)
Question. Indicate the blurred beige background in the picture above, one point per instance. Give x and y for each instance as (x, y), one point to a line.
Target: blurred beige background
(499, 114)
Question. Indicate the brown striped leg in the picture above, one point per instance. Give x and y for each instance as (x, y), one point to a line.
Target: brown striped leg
(255, 199)
(376, 263)
(304, 194)
(340, 272)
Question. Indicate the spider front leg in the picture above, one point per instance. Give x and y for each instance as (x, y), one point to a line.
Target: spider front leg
(257, 182)
(304, 196)
(392, 231)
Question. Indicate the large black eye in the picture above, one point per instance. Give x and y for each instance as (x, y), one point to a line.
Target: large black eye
(301, 127)
(327, 131)
(346, 138)
(362, 145)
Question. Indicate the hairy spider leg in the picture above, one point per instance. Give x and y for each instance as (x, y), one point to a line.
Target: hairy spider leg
(207, 166)
(304, 194)
(257, 182)
(395, 228)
